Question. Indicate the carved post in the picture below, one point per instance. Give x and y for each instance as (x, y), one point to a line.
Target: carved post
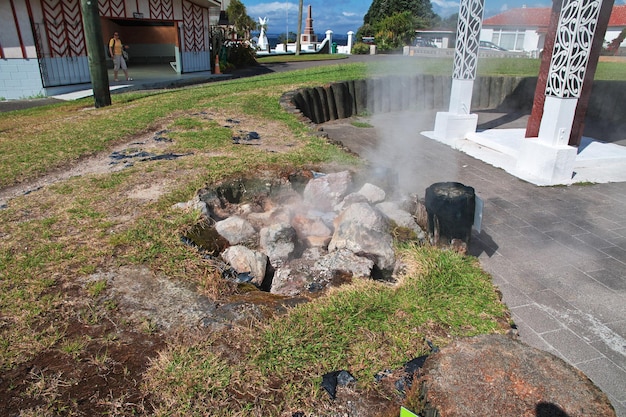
(466, 55)
(532, 127)
(572, 49)
(594, 56)
(457, 122)
(548, 157)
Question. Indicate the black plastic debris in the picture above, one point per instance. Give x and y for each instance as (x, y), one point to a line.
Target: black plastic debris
(414, 364)
(165, 157)
(143, 156)
(119, 156)
(404, 382)
(433, 348)
(383, 374)
(246, 138)
(227, 272)
(410, 368)
(159, 136)
(243, 277)
(331, 380)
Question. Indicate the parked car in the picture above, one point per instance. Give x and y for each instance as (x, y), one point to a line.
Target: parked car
(427, 43)
(490, 46)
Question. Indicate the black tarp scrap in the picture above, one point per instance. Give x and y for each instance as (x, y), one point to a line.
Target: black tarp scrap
(331, 380)
(246, 137)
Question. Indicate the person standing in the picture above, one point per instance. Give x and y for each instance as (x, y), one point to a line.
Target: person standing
(116, 47)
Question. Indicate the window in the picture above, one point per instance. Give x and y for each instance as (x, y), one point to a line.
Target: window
(509, 38)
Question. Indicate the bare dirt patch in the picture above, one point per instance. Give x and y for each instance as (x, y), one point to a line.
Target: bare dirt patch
(101, 163)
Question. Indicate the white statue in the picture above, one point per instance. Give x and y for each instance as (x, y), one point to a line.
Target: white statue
(263, 44)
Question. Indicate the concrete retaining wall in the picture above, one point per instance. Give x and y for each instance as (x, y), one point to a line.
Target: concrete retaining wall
(427, 92)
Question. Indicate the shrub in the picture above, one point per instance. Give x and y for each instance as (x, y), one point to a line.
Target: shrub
(360, 48)
(239, 55)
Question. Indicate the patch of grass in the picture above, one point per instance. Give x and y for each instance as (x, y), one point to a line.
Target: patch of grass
(191, 381)
(364, 327)
(187, 123)
(517, 67)
(272, 59)
(95, 288)
(74, 347)
(207, 139)
(50, 136)
(357, 123)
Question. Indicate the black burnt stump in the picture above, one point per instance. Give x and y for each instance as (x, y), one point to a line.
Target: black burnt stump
(450, 207)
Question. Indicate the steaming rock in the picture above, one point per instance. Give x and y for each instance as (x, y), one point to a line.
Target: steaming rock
(401, 217)
(242, 259)
(278, 241)
(311, 230)
(235, 229)
(194, 204)
(344, 261)
(289, 282)
(373, 193)
(327, 191)
(365, 231)
(351, 198)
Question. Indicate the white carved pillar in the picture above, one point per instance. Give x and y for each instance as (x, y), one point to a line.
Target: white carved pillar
(329, 37)
(350, 42)
(454, 124)
(548, 156)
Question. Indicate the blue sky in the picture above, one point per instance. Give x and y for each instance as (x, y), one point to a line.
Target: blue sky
(343, 15)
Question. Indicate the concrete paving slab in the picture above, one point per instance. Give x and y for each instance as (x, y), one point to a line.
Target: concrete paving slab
(608, 375)
(574, 349)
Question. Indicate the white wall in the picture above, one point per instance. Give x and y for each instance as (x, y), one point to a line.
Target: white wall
(612, 34)
(20, 78)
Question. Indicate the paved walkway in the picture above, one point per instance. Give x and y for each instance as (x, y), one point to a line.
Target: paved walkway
(558, 254)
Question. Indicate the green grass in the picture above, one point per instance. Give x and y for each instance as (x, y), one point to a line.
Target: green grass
(299, 58)
(364, 328)
(53, 135)
(357, 123)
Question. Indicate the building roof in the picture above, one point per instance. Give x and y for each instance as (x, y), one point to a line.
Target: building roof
(539, 17)
(525, 17)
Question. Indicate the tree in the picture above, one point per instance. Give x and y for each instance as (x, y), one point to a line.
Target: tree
(395, 31)
(449, 22)
(239, 19)
(291, 37)
(381, 9)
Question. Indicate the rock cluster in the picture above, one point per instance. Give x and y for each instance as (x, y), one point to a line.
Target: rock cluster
(290, 241)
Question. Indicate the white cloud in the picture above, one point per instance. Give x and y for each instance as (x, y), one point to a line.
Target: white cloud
(445, 4)
(349, 14)
(273, 8)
